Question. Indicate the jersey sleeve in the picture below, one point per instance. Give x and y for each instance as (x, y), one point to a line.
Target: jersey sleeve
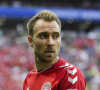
(73, 80)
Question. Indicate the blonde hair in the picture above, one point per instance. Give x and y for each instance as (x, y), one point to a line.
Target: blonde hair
(45, 15)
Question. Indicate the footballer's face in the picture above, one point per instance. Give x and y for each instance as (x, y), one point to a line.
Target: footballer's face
(46, 40)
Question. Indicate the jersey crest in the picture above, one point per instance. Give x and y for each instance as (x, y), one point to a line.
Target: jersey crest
(46, 86)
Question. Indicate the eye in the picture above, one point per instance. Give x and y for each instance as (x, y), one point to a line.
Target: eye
(55, 36)
(43, 36)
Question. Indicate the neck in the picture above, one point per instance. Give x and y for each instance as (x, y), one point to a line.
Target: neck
(40, 65)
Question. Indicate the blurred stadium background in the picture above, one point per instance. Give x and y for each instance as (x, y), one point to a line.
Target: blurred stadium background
(80, 38)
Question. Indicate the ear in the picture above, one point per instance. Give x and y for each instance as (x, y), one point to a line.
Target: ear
(30, 41)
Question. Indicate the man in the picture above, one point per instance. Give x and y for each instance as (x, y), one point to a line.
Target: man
(52, 72)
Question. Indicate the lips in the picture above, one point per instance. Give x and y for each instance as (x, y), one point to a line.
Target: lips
(49, 51)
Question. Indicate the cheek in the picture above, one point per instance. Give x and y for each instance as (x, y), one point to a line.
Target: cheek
(58, 43)
(38, 45)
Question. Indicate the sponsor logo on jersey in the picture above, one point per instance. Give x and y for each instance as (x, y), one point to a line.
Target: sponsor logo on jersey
(46, 86)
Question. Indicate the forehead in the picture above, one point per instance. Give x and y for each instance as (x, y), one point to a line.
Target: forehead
(42, 25)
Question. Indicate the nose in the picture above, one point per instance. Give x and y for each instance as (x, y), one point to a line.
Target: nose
(50, 41)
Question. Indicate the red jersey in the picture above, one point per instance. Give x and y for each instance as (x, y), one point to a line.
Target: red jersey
(60, 76)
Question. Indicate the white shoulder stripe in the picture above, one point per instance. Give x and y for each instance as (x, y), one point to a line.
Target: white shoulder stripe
(72, 80)
(65, 65)
(72, 71)
(70, 66)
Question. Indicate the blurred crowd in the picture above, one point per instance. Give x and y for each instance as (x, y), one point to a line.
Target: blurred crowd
(79, 48)
(90, 4)
(16, 60)
(83, 50)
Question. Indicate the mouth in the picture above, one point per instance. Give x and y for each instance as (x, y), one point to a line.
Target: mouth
(50, 51)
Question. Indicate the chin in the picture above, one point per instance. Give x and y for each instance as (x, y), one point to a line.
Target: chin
(50, 58)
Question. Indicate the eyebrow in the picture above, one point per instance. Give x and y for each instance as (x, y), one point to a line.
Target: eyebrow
(47, 32)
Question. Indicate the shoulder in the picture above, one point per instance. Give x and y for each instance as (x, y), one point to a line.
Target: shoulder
(70, 69)
(73, 77)
(28, 78)
(74, 74)
(29, 75)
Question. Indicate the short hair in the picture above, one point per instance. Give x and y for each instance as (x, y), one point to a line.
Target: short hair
(45, 15)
